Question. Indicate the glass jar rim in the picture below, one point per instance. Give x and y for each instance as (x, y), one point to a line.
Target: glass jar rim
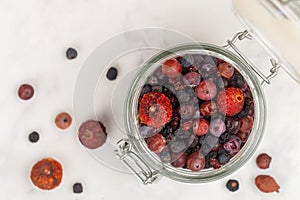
(184, 175)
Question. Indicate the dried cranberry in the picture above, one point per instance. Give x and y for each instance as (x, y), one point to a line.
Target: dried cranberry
(156, 143)
(179, 160)
(206, 90)
(192, 79)
(263, 161)
(63, 120)
(171, 68)
(26, 91)
(201, 127)
(226, 70)
(196, 162)
(246, 124)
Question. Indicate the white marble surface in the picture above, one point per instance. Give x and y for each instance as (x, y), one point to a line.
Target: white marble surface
(34, 36)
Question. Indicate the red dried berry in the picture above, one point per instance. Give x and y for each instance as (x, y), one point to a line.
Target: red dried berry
(179, 160)
(230, 101)
(206, 90)
(155, 109)
(92, 134)
(171, 68)
(63, 120)
(201, 127)
(215, 163)
(226, 70)
(246, 124)
(46, 174)
(25, 91)
(266, 183)
(156, 143)
(208, 108)
(196, 162)
(263, 161)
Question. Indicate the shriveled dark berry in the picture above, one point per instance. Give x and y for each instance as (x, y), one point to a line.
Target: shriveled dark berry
(71, 53)
(223, 158)
(232, 125)
(146, 88)
(112, 74)
(263, 161)
(186, 60)
(25, 91)
(77, 188)
(34, 137)
(232, 185)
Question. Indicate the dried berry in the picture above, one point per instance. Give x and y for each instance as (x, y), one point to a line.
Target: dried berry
(112, 73)
(92, 134)
(208, 108)
(77, 188)
(266, 183)
(217, 127)
(63, 120)
(25, 91)
(230, 101)
(46, 174)
(201, 127)
(156, 143)
(263, 161)
(34, 137)
(206, 90)
(196, 162)
(155, 109)
(232, 185)
(192, 79)
(179, 160)
(71, 53)
(226, 70)
(246, 124)
(171, 68)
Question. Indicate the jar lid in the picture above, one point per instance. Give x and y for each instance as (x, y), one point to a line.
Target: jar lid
(276, 25)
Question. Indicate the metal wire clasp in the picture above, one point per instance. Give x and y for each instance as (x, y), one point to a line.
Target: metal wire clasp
(135, 163)
(246, 35)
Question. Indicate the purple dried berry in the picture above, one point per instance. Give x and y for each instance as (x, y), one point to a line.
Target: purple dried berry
(217, 127)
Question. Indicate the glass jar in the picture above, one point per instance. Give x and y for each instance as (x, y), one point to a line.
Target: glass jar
(184, 175)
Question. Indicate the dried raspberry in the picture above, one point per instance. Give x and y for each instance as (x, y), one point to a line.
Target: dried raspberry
(46, 174)
(266, 183)
(155, 109)
(230, 101)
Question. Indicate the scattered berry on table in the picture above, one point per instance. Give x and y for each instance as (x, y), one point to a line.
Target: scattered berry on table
(232, 185)
(77, 188)
(46, 174)
(266, 183)
(92, 134)
(112, 73)
(263, 161)
(34, 137)
(63, 120)
(71, 53)
(25, 92)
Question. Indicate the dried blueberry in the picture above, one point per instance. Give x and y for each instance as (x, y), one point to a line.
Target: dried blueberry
(112, 73)
(233, 145)
(34, 137)
(71, 53)
(217, 127)
(77, 188)
(232, 185)
(232, 125)
(186, 60)
(183, 96)
(223, 158)
(205, 149)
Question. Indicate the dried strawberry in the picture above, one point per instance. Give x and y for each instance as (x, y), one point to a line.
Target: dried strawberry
(266, 183)
(155, 109)
(230, 101)
(46, 174)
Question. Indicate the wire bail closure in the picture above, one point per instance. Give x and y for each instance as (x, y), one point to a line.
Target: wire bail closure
(246, 35)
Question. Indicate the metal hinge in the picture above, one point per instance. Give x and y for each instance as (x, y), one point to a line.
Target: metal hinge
(246, 35)
(135, 163)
